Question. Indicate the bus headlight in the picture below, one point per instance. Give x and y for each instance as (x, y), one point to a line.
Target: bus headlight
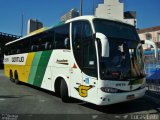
(109, 90)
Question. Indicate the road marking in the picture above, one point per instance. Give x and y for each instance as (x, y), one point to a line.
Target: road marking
(2, 99)
(42, 100)
(94, 116)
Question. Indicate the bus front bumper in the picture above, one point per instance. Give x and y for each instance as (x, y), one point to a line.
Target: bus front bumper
(112, 98)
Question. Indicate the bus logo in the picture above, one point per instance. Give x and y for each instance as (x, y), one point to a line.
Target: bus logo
(83, 90)
(64, 62)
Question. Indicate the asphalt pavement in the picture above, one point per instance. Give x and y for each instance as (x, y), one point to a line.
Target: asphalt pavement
(25, 102)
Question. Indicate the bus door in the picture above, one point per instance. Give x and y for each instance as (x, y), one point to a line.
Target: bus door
(76, 72)
(89, 64)
(85, 56)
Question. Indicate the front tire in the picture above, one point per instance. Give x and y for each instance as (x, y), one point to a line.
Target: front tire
(64, 91)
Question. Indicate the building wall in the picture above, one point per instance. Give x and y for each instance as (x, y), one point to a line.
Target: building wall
(34, 25)
(110, 9)
(153, 35)
(113, 9)
(71, 14)
(131, 21)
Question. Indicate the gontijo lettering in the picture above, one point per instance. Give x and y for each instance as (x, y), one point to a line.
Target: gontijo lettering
(17, 59)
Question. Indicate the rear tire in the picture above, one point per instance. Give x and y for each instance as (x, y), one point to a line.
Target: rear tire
(16, 78)
(64, 91)
(17, 81)
(11, 77)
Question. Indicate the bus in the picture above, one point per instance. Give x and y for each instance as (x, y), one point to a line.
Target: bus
(152, 66)
(97, 60)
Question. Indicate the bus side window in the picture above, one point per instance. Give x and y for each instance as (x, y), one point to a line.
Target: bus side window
(13, 48)
(34, 48)
(61, 33)
(35, 42)
(6, 50)
(45, 42)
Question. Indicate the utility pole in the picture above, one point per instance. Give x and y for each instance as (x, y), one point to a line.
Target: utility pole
(81, 9)
(22, 27)
(93, 7)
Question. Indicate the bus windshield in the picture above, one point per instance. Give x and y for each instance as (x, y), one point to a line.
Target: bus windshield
(116, 29)
(126, 59)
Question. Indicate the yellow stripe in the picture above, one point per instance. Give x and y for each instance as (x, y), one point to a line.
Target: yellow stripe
(38, 31)
(6, 70)
(23, 70)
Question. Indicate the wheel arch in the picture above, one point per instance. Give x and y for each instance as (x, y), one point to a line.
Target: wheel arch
(57, 83)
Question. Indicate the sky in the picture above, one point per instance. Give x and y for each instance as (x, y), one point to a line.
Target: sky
(50, 11)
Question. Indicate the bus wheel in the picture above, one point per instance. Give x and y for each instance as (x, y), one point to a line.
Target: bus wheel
(11, 77)
(64, 91)
(16, 78)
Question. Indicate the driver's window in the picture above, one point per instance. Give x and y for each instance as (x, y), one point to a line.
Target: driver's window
(86, 31)
(76, 35)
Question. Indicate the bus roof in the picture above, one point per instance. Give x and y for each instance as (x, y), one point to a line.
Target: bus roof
(91, 17)
(85, 17)
(36, 32)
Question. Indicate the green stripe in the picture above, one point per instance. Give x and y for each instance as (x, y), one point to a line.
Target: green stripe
(41, 68)
(34, 67)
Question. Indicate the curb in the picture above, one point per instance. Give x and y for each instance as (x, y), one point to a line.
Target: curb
(153, 99)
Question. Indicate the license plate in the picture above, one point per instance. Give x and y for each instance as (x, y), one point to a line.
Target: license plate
(130, 97)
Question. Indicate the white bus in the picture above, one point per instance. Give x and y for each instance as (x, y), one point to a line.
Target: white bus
(96, 60)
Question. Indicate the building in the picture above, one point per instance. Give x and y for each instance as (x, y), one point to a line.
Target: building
(115, 9)
(152, 33)
(110, 9)
(130, 17)
(34, 25)
(71, 14)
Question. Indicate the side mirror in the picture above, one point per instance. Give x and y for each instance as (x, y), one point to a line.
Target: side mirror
(104, 44)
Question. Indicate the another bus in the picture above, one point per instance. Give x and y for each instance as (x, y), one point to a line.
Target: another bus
(97, 60)
(152, 66)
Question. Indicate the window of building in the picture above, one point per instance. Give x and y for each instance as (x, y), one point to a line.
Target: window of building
(158, 37)
(148, 36)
